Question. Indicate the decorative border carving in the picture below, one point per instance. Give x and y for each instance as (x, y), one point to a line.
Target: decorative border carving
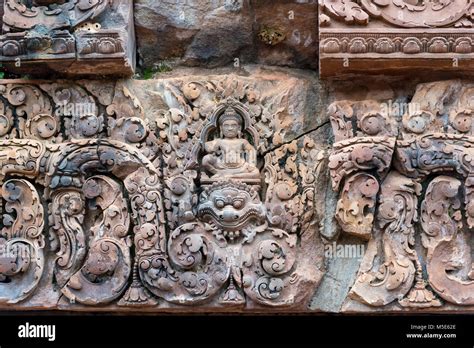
(367, 35)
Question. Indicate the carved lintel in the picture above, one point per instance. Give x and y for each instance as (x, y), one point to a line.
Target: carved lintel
(393, 35)
(434, 150)
(216, 207)
(80, 37)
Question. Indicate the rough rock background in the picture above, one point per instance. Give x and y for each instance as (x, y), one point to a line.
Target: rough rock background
(214, 33)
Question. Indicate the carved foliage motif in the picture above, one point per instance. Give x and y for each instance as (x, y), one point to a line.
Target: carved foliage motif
(61, 111)
(21, 14)
(21, 241)
(433, 150)
(101, 275)
(205, 204)
(89, 214)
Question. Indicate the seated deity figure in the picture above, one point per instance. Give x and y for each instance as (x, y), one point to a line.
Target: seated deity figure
(231, 156)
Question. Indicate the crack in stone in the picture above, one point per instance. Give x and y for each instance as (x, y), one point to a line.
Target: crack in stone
(296, 138)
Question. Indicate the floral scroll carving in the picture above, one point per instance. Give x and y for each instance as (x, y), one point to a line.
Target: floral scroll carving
(424, 197)
(202, 203)
(22, 241)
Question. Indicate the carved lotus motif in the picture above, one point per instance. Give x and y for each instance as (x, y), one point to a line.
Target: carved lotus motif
(384, 45)
(10, 49)
(331, 46)
(357, 45)
(412, 46)
(463, 45)
(438, 45)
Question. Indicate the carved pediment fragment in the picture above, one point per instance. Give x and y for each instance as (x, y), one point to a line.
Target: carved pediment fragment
(424, 195)
(72, 37)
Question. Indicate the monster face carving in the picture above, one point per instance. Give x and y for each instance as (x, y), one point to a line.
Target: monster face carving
(231, 207)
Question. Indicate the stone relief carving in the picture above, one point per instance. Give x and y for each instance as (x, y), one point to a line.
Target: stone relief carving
(366, 31)
(21, 241)
(104, 271)
(197, 204)
(399, 13)
(82, 37)
(231, 240)
(415, 208)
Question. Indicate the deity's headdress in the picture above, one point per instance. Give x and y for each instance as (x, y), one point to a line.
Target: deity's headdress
(230, 114)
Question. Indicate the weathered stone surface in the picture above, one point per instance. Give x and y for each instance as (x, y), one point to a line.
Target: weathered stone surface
(295, 24)
(138, 194)
(340, 275)
(74, 38)
(216, 33)
(207, 33)
(184, 193)
(132, 173)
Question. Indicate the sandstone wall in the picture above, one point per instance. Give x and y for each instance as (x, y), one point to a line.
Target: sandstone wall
(191, 156)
